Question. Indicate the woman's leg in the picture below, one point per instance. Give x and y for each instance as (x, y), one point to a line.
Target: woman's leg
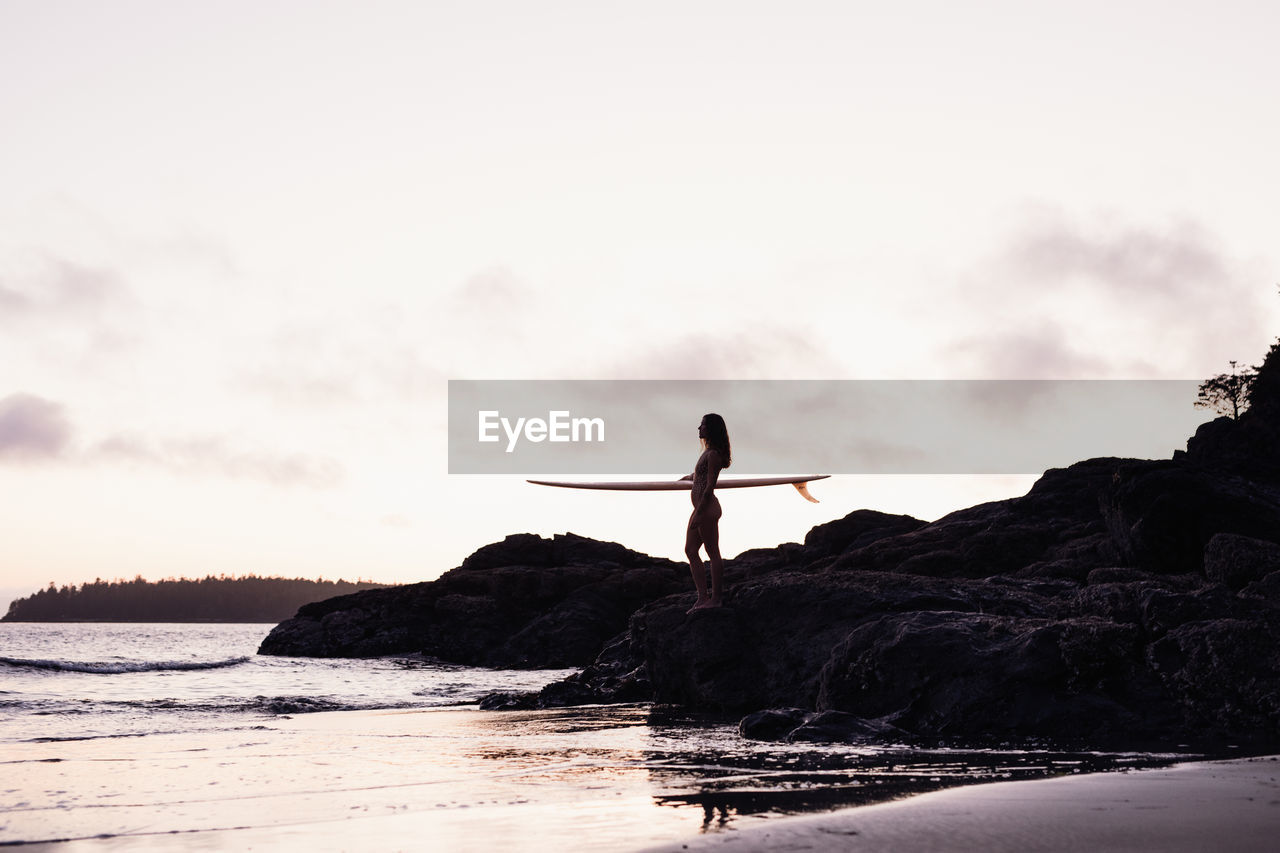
(692, 542)
(709, 529)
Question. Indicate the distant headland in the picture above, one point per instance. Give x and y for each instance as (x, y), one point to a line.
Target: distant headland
(209, 599)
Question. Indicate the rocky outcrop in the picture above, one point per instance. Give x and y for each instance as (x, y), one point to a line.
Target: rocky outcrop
(1119, 601)
(1250, 445)
(524, 602)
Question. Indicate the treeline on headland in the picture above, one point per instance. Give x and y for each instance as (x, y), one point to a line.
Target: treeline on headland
(209, 599)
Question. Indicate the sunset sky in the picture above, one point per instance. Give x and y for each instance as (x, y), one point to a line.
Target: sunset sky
(243, 246)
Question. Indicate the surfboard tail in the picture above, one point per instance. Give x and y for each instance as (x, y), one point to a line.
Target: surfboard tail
(803, 489)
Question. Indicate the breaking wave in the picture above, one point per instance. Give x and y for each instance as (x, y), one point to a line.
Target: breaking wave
(116, 667)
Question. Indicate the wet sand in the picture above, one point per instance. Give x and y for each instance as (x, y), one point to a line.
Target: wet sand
(616, 778)
(1200, 806)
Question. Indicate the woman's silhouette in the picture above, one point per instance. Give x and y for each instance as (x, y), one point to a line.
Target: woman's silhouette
(704, 523)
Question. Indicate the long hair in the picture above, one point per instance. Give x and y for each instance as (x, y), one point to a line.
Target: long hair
(718, 437)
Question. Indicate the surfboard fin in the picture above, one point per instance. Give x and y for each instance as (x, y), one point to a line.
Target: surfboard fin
(803, 489)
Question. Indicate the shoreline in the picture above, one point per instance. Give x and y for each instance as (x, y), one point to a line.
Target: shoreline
(606, 778)
(1194, 806)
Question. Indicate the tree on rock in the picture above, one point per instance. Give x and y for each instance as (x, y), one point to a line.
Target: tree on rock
(1228, 393)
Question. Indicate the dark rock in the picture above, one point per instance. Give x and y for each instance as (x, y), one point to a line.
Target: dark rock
(1162, 515)
(527, 549)
(841, 727)
(555, 605)
(969, 675)
(765, 648)
(298, 705)
(936, 564)
(856, 530)
(1122, 574)
(761, 561)
(1267, 589)
(1239, 560)
(1118, 602)
(1162, 610)
(619, 670)
(1225, 675)
(772, 724)
(509, 702)
(704, 658)
(1249, 446)
(1056, 530)
(1068, 570)
(617, 675)
(560, 694)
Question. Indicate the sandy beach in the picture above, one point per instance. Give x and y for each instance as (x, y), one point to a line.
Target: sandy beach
(112, 745)
(1198, 806)
(607, 778)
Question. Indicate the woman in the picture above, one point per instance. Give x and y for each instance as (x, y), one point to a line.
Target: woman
(704, 524)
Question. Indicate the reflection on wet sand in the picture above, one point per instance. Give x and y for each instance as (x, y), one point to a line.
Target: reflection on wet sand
(768, 779)
(591, 778)
(697, 763)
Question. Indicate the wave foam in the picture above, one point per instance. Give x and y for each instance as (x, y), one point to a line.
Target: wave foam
(116, 667)
(313, 704)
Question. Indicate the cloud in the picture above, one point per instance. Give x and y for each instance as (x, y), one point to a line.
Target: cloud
(32, 428)
(297, 385)
(62, 290)
(756, 354)
(490, 291)
(1070, 298)
(61, 313)
(314, 367)
(1038, 353)
(212, 455)
(187, 250)
(12, 302)
(1174, 262)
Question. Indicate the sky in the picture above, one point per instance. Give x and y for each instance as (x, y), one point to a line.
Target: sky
(244, 246)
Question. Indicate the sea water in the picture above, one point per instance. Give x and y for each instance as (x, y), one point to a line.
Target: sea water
(176, 736)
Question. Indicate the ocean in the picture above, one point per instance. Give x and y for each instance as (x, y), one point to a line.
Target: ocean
(173, 736)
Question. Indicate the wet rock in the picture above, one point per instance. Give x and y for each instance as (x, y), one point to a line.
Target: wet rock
(561, 694)
(503, 701)
(842, 727)
(615, 676)
(772, 724)
(1225, 675)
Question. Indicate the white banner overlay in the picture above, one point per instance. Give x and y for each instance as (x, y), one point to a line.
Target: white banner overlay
(782, 427)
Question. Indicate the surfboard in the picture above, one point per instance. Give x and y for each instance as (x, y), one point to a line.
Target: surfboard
(801, 484)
